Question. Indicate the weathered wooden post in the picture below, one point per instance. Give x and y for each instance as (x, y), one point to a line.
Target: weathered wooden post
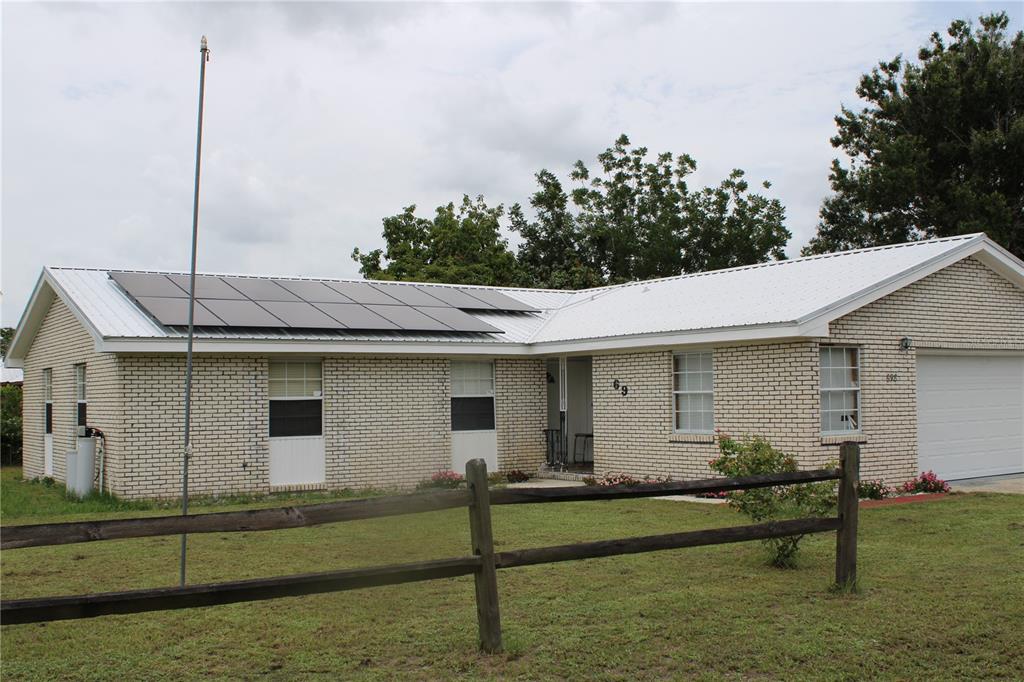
(487, 612)
(846, 537)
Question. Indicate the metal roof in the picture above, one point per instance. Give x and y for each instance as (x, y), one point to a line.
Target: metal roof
(784, 299)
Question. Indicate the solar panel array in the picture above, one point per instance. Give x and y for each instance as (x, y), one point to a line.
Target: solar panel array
(310, 304)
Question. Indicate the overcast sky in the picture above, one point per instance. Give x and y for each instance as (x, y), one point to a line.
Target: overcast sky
(323, 118)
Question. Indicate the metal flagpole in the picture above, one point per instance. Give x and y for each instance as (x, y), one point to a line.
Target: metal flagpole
(204, 53)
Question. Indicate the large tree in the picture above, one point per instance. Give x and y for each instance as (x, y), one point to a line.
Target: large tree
(460, 245)
(553, 253)
(639, 219)
(938, 149)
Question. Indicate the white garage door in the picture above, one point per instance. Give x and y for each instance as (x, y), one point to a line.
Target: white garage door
(970, 415)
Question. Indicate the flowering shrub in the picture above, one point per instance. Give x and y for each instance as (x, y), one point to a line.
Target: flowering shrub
(756, 456)
(623, 479)
(927, 482)
(442, 479)
(517, 476)
(874, 490)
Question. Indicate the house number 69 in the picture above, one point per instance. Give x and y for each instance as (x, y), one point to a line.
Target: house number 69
(620, 387)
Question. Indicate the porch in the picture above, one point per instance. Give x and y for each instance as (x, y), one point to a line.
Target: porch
(569, 436)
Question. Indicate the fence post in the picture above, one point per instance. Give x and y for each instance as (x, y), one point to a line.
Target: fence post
(846, 537)
(487, 612)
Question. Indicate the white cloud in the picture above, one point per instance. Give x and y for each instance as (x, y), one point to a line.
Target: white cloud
(323, 118)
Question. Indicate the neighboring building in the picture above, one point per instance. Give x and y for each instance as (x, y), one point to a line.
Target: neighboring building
(916, 351)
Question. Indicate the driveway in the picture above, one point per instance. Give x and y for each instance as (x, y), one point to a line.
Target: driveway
(1009, 483)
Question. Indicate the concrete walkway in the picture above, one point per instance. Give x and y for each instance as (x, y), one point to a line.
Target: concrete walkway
(1010, 483)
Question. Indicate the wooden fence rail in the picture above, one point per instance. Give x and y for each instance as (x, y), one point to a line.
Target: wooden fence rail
(483, 564)
(45, 534)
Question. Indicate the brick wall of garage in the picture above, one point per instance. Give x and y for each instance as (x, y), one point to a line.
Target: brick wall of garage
(772, 389)
(964, 307)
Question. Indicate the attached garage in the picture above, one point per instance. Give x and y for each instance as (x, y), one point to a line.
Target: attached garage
(970, 415)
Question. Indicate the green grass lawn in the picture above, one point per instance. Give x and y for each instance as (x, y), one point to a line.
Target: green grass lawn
(942, 597)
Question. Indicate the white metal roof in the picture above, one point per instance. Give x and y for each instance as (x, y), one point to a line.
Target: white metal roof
(784, 299)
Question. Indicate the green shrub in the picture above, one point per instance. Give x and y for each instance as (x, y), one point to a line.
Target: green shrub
(873, 490)
(442, 479)
(753, 456)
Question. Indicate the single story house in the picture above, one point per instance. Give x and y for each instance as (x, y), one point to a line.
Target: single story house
(914, 350)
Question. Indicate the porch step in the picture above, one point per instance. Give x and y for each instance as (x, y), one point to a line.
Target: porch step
(551, 474)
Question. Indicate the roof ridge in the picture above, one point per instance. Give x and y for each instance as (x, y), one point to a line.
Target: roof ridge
(309, 278)
(788, 261)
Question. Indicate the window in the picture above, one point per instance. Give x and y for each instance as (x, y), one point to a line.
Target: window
(296, 399)
(840, 389)
(81, 400)
(694, 393)
(48, 400)
(472, 396)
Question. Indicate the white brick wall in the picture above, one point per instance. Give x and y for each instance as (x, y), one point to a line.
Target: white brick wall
(520, 410)
(772, 389)
(387, 420)
(61, 343)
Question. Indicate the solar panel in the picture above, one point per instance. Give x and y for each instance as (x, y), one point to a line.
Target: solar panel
(361, 292)
(355, 316)
(314, 292)
(456, 298)
(208, 286)
(241, 313)
(408, 294)
(458, 320)
(301, 314)
(409, 318)
(174, 311)
(499, 300)
(147, 284)
(261, 289)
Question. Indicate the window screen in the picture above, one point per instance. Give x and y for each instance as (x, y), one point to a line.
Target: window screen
(472, 396)
(840, 389)
(296, 407)
(694, 393)
(295, 418)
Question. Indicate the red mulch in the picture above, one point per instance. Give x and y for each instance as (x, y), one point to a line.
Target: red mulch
(906, 499)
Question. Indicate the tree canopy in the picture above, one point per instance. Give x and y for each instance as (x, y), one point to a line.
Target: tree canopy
(634, 219)
(938, 149)
(459, 246)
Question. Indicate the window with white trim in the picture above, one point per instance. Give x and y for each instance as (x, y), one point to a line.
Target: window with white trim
(48, 400)
(296, 399)
(81, 399)
(693, 389)
(472, 396)
(840, 389)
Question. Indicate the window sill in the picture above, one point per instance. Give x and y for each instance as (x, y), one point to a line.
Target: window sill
(691, 438)
(845, 438)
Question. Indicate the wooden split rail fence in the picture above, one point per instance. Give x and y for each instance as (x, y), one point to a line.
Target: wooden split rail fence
(483, 563)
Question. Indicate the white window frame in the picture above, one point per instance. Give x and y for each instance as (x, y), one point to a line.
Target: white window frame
(677, 391)
(317, 395)
(855, 389)
(81, 396)
(48, 399)
(455, 364)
